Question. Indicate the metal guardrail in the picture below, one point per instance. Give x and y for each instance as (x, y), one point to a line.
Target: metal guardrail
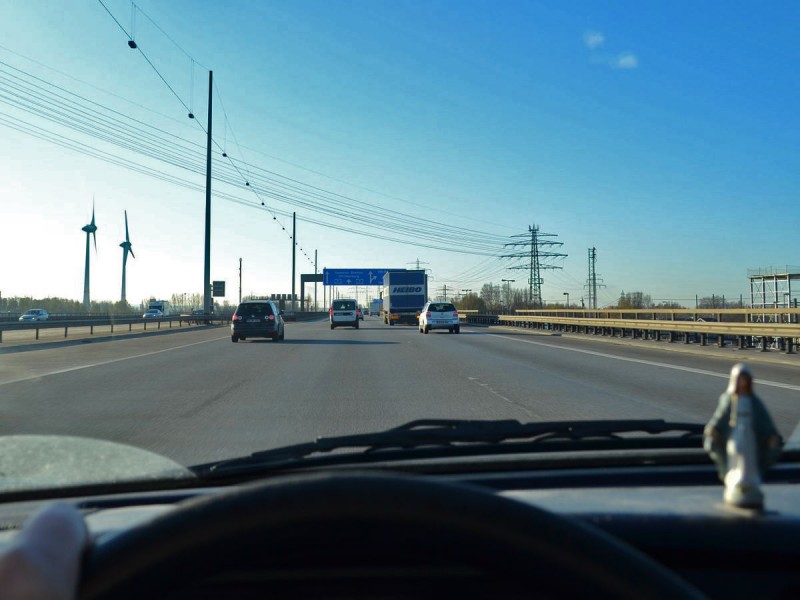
(785, 335)
(110, 321)
(747, 315)
(750, 329)
(14, 317)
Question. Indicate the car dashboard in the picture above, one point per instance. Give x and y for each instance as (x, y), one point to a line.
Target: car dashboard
(672, 513)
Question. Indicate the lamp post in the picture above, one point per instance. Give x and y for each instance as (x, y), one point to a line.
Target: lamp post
(464, 293)
(567, 295)
(508, 283)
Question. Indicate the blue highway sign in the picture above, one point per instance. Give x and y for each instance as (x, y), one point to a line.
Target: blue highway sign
(354, 276)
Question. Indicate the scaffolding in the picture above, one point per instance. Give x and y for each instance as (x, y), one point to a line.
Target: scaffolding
(777, 288)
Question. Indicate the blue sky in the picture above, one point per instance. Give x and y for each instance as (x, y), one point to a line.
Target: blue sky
(664, 134)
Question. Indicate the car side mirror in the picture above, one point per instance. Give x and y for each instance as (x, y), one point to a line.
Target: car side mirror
(280, 312)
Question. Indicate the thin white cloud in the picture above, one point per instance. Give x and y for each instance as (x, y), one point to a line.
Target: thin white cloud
(626, 60)
(593, 39)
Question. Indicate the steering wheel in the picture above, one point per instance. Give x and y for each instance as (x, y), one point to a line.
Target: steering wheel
(371, 520)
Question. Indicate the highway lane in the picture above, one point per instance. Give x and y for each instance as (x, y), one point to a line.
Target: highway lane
(31, 361)
(194, 396)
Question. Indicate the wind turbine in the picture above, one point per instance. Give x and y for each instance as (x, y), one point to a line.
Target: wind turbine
(90, 229)
(126, 247)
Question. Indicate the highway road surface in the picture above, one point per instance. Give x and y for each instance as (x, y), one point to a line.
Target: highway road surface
(194, 396)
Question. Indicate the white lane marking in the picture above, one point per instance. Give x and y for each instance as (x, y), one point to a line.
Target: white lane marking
(652, 363)
(107, 362)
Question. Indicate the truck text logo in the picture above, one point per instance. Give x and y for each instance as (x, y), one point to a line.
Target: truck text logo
(407, 289)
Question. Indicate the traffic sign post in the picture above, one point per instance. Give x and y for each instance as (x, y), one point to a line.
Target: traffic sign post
(217, 288)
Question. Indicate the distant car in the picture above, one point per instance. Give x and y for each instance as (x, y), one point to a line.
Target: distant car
(360, 313)
(35, 314)
(439, 315)
(343, 311)
(257, 318)
(198, 312)
(153, 313)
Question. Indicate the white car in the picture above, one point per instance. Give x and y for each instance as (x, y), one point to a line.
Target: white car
(343, 311)
(35, 314)
(153, 313)
(439, 315)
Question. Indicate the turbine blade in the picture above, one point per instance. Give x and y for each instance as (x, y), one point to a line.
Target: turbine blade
(127, 238)
(92, 209)
(131, 251)
(94, 237)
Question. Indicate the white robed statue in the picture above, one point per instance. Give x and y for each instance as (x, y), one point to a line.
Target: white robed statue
(742, 440)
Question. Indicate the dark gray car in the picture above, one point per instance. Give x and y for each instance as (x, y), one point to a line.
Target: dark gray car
(257, 318)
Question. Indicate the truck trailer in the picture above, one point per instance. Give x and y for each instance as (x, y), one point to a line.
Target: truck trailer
(162, 305)
(404, 295)
(375, 306)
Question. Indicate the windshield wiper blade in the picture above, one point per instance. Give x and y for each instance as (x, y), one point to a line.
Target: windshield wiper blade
(463, 436)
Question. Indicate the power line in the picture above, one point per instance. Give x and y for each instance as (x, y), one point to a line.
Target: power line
(149, 62)
(51, 137)
(181, 122)
(132, 44)
(115, 129)
(240, 147)
(169, 149)
(168, 36)
(481, 220)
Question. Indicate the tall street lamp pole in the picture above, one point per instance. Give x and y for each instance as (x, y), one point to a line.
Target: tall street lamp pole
(294, 253)
(465, 292)
(315, 282)
(508, 283)
(208, 301)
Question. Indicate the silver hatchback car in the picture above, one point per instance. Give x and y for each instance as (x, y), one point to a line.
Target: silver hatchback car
(35, 314)
(439, 315)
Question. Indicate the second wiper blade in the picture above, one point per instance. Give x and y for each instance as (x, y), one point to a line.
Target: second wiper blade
(459, 435)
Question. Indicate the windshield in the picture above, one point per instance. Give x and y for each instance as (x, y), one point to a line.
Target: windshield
(344, 305)
(254, 309)
(606, 195)
(441, 307)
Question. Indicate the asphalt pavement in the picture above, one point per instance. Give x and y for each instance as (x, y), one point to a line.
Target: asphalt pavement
(194, 396)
